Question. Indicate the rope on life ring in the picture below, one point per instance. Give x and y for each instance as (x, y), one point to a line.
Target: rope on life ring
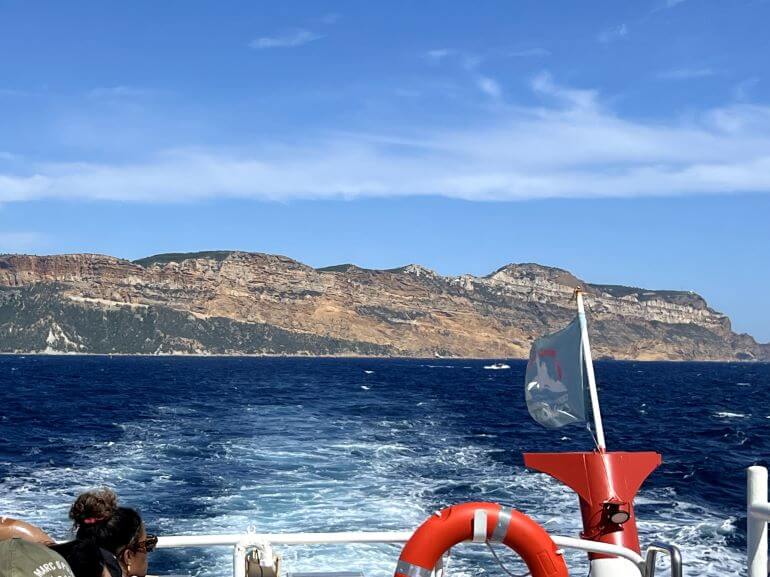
(460, 523)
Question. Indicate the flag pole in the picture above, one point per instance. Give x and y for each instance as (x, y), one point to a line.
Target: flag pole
(590, 371)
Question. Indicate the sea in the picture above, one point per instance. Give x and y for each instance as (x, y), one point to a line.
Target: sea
(226, 445)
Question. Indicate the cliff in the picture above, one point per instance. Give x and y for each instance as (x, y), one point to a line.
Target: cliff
(233, 302)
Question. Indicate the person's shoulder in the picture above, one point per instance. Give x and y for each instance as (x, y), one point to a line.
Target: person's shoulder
(22, 558)
(11, 528)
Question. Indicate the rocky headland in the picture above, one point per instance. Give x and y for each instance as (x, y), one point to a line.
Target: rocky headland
(251, 303)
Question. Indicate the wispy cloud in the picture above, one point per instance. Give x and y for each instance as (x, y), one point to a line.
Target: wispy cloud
(489, 86)
(569, 145)
(119, 91)
(330, 18)
(290, 39)
(528, 52)
(666, 5)
(612, 34)
(686, 73)
(12, 92)
(470, 64)
(438, 54)
(465, 60)
(470, 61)
(742, 90)
(571, 97)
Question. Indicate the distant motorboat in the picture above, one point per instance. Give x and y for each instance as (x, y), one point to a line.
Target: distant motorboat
(497, 366)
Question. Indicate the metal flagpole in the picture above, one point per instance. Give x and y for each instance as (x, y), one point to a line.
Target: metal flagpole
(590, 371)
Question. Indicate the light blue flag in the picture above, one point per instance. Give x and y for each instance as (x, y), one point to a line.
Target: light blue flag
(554, 384)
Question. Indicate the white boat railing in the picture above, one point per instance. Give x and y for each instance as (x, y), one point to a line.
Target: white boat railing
(757, 517)
(242, 543)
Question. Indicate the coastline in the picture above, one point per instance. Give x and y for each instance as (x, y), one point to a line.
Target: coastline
(394, 357)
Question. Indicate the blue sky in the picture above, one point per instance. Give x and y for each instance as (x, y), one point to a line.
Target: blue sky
(628, 142)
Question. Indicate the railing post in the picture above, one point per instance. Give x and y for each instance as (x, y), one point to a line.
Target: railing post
(239, 560)
(756, 530)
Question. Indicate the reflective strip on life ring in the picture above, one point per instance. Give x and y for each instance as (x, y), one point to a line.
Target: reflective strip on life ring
(404, 568)
(501, 529)
(454, 525)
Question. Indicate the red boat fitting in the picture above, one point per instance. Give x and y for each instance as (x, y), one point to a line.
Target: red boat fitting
(606, 484)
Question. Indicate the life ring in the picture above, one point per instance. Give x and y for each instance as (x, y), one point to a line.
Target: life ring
(456, 524)
(14, 528)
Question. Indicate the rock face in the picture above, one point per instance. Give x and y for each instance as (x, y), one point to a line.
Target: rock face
(234, 302)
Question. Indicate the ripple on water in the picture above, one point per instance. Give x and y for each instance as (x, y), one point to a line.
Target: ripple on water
(218, 445)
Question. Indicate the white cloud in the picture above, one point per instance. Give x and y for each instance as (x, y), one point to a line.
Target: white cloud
(290, 39)
(686, 73)
(572, 97)
(14, 187)
(613, 34)
(570, 145)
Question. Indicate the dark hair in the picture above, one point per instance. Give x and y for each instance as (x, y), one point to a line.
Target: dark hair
(85, 558)
(99, 520)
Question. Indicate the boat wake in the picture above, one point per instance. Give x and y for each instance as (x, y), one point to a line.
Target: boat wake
(302, 452)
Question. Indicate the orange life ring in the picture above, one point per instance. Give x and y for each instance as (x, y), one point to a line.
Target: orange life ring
(14, 528)
(455, 524)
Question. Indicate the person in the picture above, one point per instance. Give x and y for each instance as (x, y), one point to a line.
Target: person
(21, 557)
(87, 558)
(110, 541)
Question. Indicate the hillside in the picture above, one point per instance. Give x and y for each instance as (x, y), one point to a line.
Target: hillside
(224, 302)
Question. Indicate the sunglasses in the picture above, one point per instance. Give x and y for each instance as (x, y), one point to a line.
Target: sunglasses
(148, 545)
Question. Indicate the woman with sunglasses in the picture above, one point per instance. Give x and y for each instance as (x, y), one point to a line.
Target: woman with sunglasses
(111, 541)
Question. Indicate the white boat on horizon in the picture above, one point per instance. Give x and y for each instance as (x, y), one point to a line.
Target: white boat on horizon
(497, 367)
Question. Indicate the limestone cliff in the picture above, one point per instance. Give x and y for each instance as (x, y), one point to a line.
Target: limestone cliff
(235, 302)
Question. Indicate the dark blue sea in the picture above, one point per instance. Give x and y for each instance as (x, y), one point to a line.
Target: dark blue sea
(216, 445)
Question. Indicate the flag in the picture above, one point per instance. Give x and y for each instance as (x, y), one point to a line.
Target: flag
(554, 383)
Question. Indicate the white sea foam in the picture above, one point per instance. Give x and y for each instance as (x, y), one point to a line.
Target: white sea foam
(728, 415)
(387, 474)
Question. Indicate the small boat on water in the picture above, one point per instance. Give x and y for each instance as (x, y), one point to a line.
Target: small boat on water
(497, 367)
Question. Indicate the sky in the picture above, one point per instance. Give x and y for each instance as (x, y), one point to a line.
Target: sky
(627, 142)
